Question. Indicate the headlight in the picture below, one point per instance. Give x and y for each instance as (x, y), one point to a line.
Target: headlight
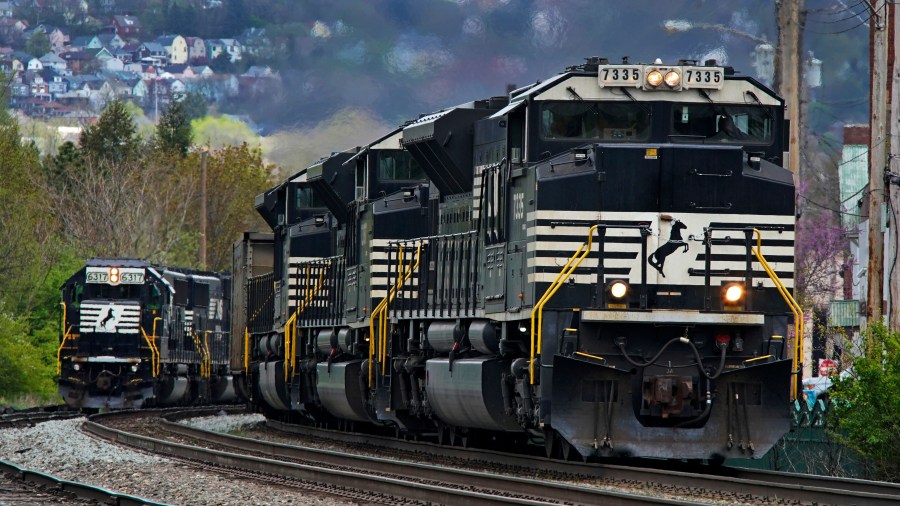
(76, 367)
(618, 289)
(672, 78)
(134, 368)
(734, 293)
(654, 78)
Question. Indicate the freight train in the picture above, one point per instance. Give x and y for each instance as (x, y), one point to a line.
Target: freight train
(600, 262)
(134, 334)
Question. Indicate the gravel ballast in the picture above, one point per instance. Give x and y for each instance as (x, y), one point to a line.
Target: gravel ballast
(61, 449)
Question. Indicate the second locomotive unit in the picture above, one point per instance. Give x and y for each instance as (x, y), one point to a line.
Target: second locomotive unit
(601, 262)
(136, 334)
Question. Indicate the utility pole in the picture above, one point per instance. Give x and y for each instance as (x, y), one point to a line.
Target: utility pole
(893, 188)
(878, 121)
(203, 153)
(787, 73)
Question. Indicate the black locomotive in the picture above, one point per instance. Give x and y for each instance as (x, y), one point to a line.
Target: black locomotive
(135, 334)
(601, 261)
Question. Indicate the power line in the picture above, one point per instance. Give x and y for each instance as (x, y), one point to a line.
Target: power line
(838, 211)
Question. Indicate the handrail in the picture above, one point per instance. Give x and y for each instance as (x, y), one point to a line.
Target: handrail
(208, 359)
(573, 263)
(154, 354)
(195, 336)
(380, 312)
(290, 335)
(400, 282)
(246, 350)
(62, 342)
(791, 302)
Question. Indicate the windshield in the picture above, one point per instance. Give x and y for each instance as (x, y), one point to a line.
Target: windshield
(728, 124)
(598, 121)
(397, 165)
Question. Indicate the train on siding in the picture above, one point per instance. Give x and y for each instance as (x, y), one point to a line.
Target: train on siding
(134, 334)
(601, 262)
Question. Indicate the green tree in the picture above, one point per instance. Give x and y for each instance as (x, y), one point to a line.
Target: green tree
(173, 132)
(222, 63)
(195, 106)
(865, 407)
(114, 138)
(25, 368)
(38, 44)
(235, 175)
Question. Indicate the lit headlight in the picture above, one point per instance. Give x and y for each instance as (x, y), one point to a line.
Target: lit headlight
(618, 289)
(734, 293)
(672, 78)
(654, 78)
(114, 275)
(76, 367)
(134, 368)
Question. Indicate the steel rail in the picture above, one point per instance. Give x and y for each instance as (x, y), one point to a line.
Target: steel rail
(80, 490)
(436, 484)
(789, 486)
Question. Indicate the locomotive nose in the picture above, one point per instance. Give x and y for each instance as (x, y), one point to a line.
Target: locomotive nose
(104, 381)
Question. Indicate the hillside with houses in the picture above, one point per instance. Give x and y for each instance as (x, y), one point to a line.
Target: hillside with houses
(53, 73)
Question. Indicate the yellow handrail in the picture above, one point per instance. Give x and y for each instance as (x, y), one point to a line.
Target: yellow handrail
(380, 313)
(62, 342)
(288, 338)
(573, 263)
(795, 308)
(246, 350)
(195, 336)
(208, 357)
(290, 334)
(156, 348)
(154, 354)
(400, 282)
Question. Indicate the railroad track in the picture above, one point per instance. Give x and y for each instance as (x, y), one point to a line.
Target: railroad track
(385, 480)
(741, 482)
(31, 416)
(19, 485)
(439, 484)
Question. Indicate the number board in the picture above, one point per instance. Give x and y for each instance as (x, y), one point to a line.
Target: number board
(127, 275)
(620, 75)
(702, 77)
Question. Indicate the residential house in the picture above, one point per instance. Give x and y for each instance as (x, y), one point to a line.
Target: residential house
(51, 60)
(260, 71)
(11, 65)
(58, 37)
(196, 49)
(55, 83)
(19, 88)
(127, 27)
(6, 9)
(180, 71)
(202, 71)
(34, 65)
(101, 54)
(254, 40)
(215, 47)
(12, 29)
(176, 48)
(149, 71)
(87, 42)
(38, 88)
(111, 41)
(113, 65)
(82, 61)
(124, 55)
(153, 52)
